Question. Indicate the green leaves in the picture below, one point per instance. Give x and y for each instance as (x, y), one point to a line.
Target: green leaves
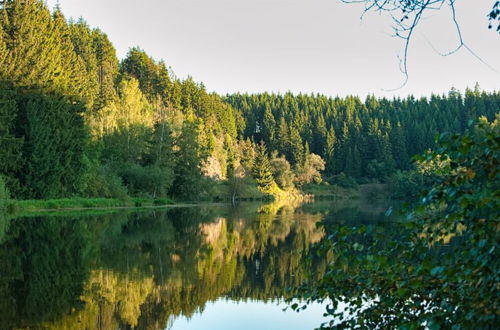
(437, 270)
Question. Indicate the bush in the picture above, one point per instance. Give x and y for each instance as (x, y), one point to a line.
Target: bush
(145, 180)
(344, 181)
(103, 182)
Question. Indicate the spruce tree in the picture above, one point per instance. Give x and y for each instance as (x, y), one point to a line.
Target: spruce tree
(189, 157)
(268, 126)
(330, 149)
(107, 69)
(261, 169)
(39, 51)
(11, 159)
(55, 140)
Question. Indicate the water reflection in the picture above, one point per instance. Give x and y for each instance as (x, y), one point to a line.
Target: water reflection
(146, 269)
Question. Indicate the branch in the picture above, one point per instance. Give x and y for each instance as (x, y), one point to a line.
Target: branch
(406, 15)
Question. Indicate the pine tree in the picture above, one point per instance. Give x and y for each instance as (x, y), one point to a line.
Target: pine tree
(295, 150)
(268, 126)
(83, 45)
(398, 144)
(11, 159)
(55, 140)
(261, 169)
(189, 156)
(107, 69)
(330, 148)
(39, 50)
(320, 136)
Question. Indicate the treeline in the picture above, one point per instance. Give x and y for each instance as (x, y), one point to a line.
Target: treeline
(74, 120)
(368, 139)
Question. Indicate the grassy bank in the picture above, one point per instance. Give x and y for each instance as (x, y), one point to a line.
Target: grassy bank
(87, 203)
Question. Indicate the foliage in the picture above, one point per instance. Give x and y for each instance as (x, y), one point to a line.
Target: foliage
(344, 181)
(191, 152)
(282, 171)
(48, 156)
(406, 184)
(438, 269)
(311, 170)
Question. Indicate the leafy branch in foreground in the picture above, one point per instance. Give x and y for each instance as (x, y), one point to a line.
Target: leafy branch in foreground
(438, 268)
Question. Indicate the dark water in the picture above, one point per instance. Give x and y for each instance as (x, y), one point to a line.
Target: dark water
(210, 267)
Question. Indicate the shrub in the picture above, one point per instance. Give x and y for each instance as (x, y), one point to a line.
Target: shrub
(345, 181)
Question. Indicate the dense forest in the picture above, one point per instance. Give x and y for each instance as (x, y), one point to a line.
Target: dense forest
(77, 121)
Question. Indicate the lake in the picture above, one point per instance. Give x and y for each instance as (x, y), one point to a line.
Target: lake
(200, 267)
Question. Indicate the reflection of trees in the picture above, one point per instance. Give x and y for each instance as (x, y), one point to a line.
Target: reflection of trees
(150, 267)
(4, 224)
(45, 263)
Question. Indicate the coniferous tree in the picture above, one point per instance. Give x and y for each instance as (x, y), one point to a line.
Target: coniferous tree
(189, 157)
(39, 49)
(55, 139)
(107, 69)
(261, 169)
(11, 159)
(268, 127)
(83, 45)
(398, 145)
(330, 149)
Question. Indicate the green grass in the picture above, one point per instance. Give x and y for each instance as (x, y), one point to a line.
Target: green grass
(87, 203)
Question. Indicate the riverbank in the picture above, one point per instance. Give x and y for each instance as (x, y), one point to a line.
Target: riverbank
(307, 194)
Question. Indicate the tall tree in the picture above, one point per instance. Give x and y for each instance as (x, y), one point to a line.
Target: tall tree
(261, 170)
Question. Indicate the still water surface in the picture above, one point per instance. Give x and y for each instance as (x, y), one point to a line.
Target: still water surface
(203, 267)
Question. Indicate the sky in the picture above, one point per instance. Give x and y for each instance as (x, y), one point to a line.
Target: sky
(308, 46)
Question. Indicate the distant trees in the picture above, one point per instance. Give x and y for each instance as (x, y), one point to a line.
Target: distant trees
(365, 140)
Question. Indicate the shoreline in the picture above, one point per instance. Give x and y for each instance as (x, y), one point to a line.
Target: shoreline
(103, 204)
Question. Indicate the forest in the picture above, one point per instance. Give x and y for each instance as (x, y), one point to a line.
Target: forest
(77, 121)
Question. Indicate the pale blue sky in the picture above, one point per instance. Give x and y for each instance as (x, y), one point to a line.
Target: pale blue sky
(297, 45)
